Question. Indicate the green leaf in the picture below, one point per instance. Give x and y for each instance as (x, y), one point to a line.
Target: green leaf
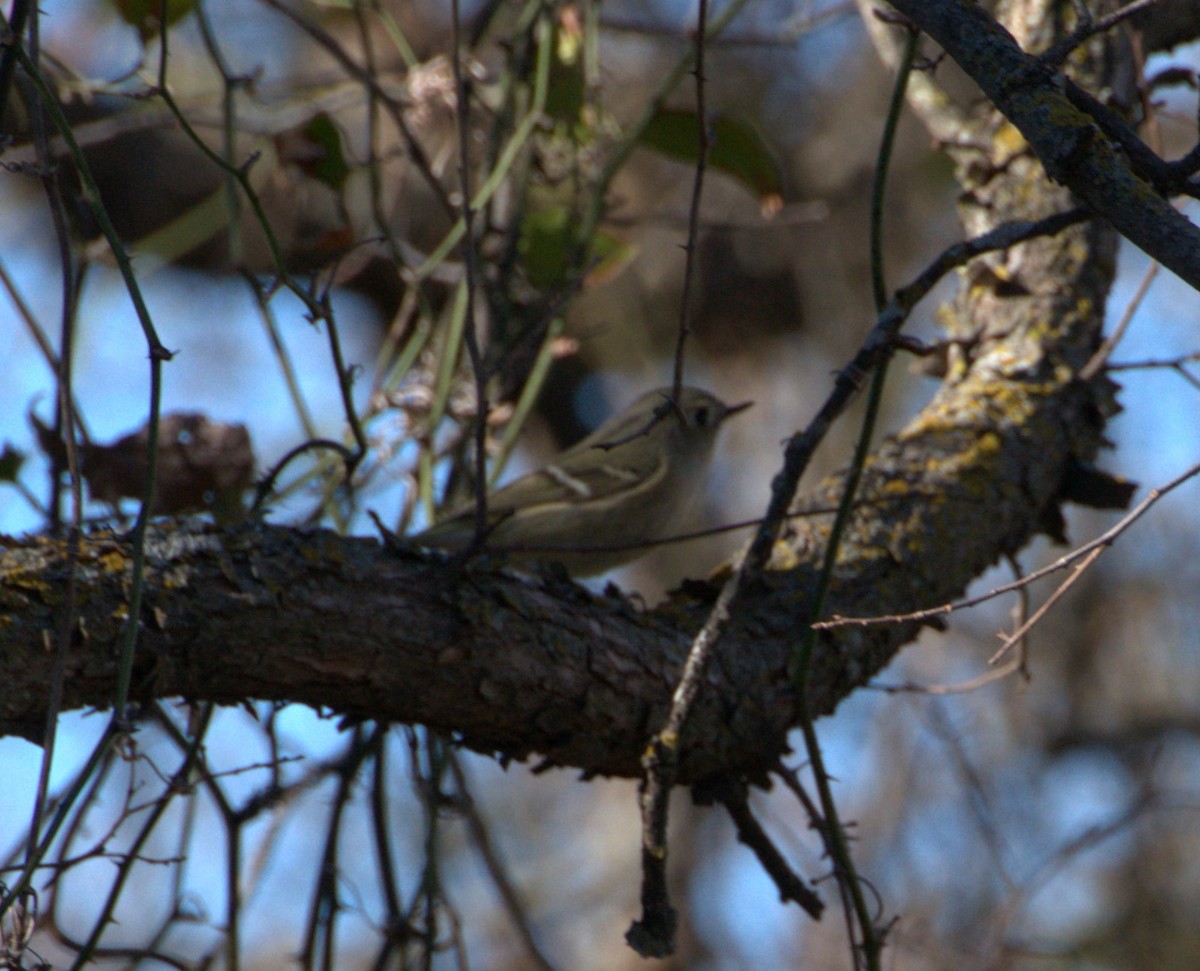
(11, 461)
(545, 239)
(327, 162)
(148, 15)
(736, 148)
(565, 92)
(547, 236)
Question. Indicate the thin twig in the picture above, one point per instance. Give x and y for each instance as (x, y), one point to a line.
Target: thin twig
(65, 430)
(1173, 363)
(869, 944)
(471, 339)
(158, 353)
(703, 145)
(481, 837)
(962, 687)
(734, 797)
(791, 779)
(360, 74)
(653, 934)
(1105, 539)
(1088, 28)
(318, 307)
(1078, 571)
(1109, 344)
(177, 785)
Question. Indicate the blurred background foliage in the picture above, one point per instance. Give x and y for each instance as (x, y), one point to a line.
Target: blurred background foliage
(1047, 819)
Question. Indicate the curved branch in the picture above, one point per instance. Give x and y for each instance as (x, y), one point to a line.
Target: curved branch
(517, 665)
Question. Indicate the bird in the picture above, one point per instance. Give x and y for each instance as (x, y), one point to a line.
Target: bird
(606, 499)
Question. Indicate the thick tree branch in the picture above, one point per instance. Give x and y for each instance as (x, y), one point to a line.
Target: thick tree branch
(519, 665)
(509, 664)
(1067, 140)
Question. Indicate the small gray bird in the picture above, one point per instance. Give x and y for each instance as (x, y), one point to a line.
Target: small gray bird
(629, 482)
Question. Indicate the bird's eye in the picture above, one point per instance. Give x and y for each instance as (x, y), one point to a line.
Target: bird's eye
(702, 417)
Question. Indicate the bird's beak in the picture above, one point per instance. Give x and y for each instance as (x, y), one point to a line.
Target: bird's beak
(734, 409)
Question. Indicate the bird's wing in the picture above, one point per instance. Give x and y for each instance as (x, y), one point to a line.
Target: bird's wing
(606, 474)
(598, 481)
